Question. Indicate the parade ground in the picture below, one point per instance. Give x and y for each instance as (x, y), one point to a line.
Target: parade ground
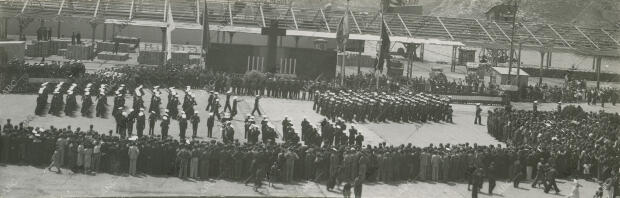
(27, 181)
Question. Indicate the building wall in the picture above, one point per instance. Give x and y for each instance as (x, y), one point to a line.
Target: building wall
(432, 53)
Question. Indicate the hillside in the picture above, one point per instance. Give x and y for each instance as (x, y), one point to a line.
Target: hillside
(580, 12)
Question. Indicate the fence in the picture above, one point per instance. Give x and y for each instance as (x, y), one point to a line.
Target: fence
(256, 63)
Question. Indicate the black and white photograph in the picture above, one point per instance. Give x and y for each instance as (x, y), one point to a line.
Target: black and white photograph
(310, 98)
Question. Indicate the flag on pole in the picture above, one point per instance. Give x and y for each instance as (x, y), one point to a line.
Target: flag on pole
(170, 27)
(384, 48)
(342, 33)
(206, 37)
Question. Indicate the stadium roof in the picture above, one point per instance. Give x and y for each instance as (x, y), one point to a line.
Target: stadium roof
(365, 25)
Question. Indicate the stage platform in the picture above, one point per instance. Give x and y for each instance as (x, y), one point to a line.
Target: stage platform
(79, 52)
(112, 56)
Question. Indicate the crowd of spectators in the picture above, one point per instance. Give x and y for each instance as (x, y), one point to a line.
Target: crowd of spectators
(577, 143)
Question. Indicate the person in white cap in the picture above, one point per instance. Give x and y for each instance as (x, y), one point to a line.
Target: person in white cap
(535, 106)
(165, 124)
(87, 103)
(559, 107)
(182, 125)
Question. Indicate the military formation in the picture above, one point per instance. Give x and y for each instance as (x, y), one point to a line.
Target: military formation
(381, 107)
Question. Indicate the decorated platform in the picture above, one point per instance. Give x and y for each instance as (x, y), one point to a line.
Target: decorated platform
(79, 52)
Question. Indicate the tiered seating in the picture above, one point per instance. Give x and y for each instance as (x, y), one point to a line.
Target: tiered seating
(184, 10)
(395, 25)
(246, 14)
(116, 9)
(600, 38)
(465, 29)
(282, 14)
(309, 19)
(425, 26)
(218, 14)
(149, 10)
(522, 35)
(80, 7)
(495, 32)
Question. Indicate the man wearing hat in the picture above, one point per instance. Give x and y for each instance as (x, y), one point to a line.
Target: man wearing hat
(559, 107)
(182, 125)
(210, 124)
(165, 124)
(210, 100)
(535, 106)
(478, 119)
(256, 105)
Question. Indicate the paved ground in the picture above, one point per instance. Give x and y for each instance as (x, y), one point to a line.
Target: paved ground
(19, 181)
(25, 181)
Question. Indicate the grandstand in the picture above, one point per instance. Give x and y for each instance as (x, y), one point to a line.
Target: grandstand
(249, 16)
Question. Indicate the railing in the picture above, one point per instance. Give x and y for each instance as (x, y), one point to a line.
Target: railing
(14, 83)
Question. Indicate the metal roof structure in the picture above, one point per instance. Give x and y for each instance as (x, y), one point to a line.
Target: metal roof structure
(241, 16)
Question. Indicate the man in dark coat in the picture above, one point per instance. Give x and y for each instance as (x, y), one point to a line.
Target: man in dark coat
(195, 120)
(210, 124)
(152, 120)
(140, 122)
(478, 119)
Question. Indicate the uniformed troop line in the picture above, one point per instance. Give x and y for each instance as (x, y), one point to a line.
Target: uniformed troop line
(380, 107)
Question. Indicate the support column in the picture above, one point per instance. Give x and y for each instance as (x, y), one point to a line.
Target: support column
(519, 67)
(281, 41)
(542, 63)
(231, 34)
(113, 31)
(453, 65)
(359, 58)
(296, 41)
(4, 28)
(105, 32)
(58, 29)
(163, 39)
(598, 72)
(93, 25)
(422, 52)
(549, 58)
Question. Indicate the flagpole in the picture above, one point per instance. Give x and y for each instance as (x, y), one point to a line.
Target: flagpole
(379, 55)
